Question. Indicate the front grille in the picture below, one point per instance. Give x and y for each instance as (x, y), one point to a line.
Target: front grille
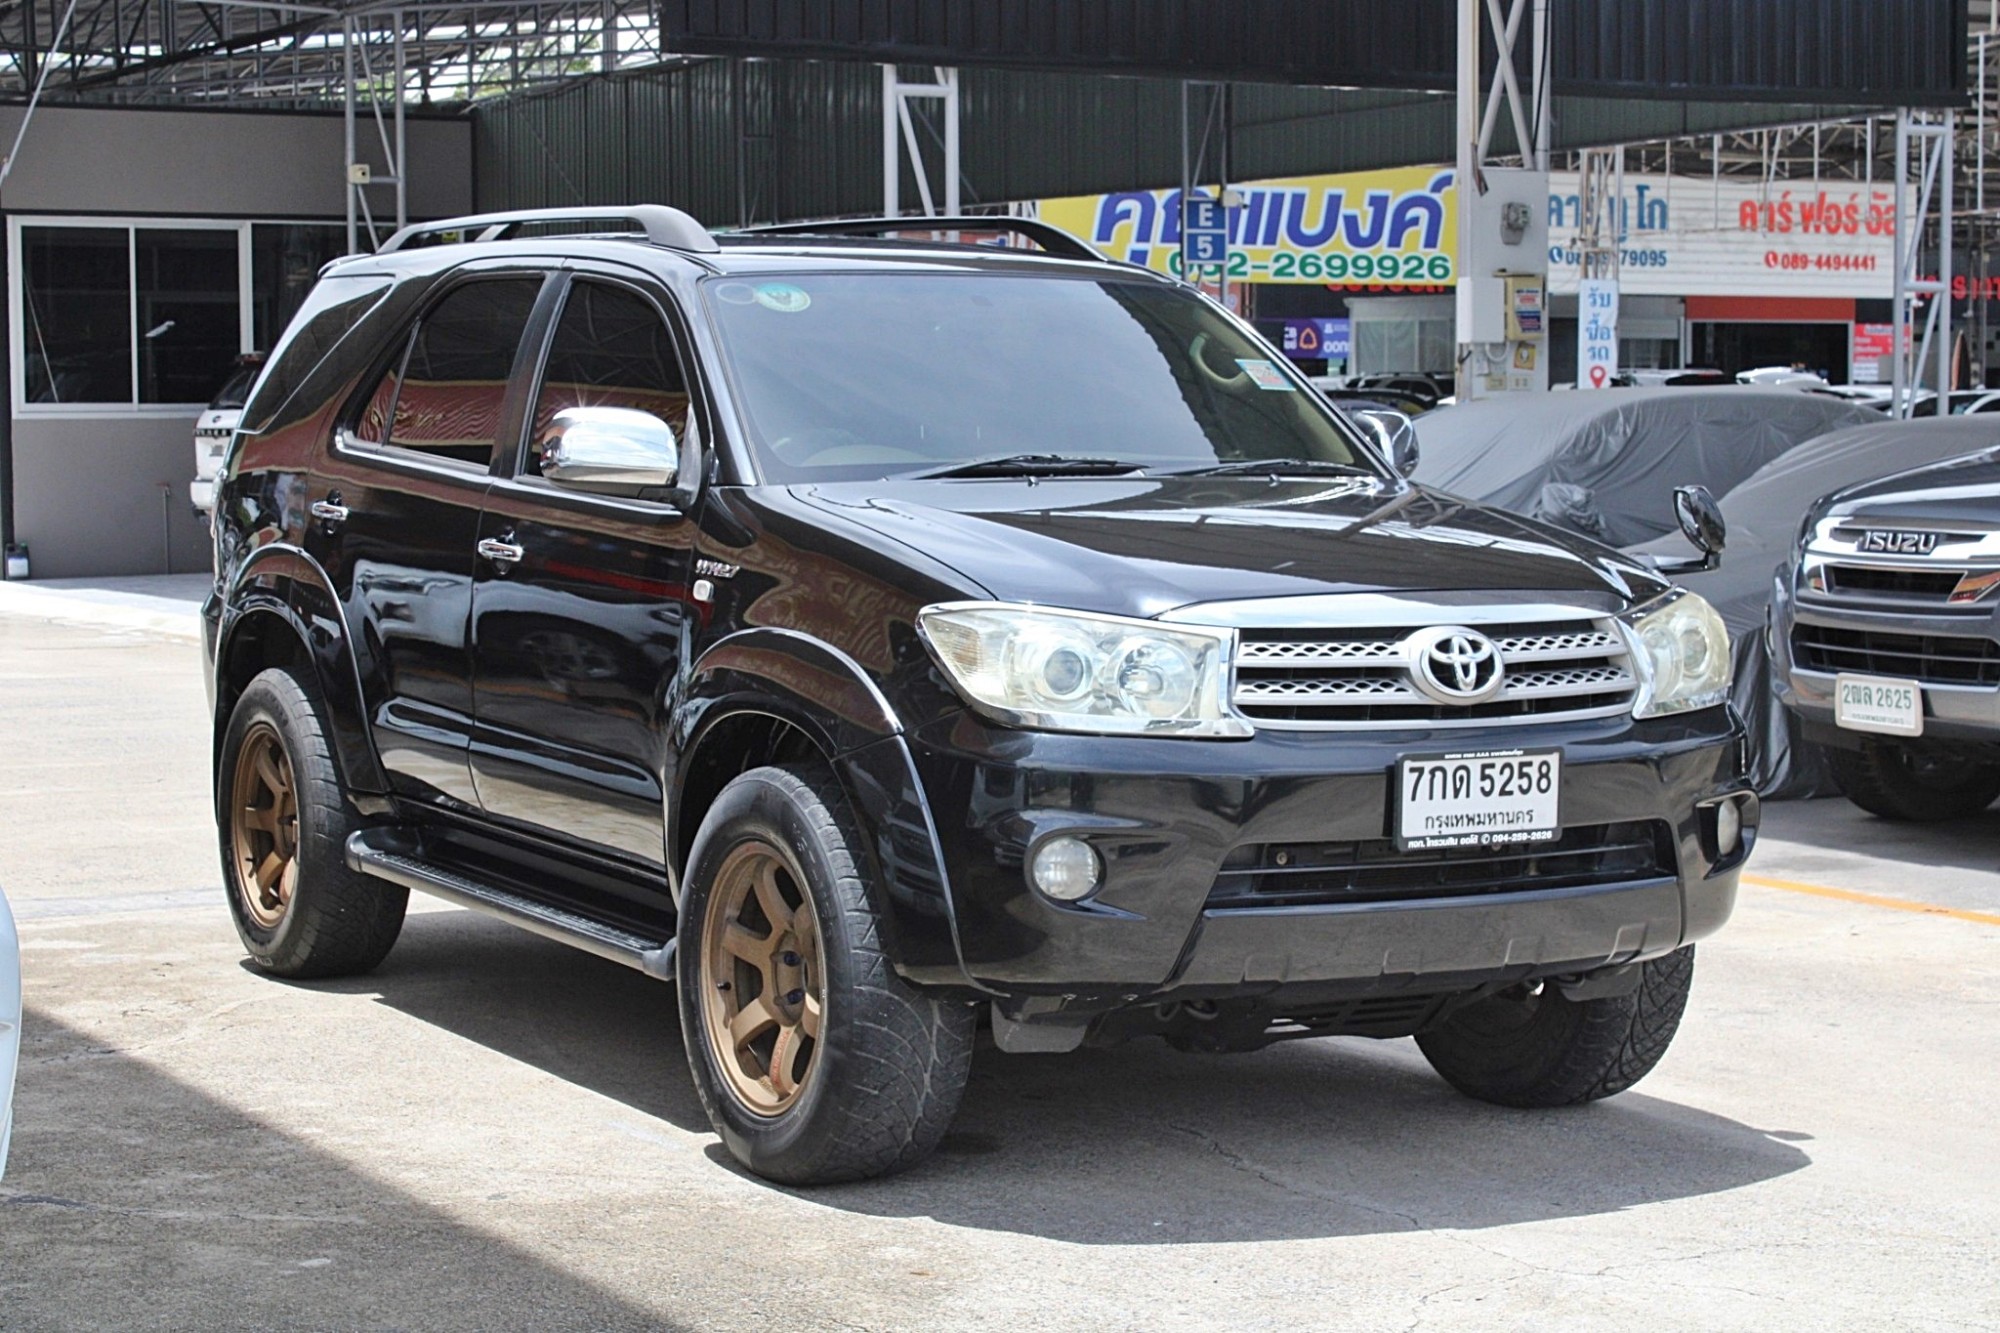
(1346, 678)
(1323, 874)
(1932, 585)
(1934, 659)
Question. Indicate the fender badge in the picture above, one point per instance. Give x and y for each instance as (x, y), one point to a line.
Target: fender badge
(715, 569)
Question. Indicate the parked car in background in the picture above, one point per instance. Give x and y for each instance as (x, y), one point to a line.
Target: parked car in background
(10, 1024)
(1782, 377)
(216, 426)
(1886, 637)
(1605, 462)
(1764, 515)
(1352, 400)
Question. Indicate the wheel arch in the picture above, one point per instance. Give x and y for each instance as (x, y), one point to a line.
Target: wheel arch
(779, 697)
(281, 611)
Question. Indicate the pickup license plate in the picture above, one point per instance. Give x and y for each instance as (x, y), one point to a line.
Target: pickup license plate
(1874, 703)
(1478, 798)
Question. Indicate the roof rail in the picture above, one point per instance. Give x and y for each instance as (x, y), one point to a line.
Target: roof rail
(1051, 238)
(664, 226)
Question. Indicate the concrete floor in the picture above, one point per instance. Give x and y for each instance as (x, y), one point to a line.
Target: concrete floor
(494, 1132)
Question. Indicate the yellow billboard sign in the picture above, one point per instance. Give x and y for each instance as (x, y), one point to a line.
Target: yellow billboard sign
(1392, 230)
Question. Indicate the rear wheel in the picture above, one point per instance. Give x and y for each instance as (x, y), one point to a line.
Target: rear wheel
(284, 824)
(1908, 782)
(1538, 1048)
(814, 1061)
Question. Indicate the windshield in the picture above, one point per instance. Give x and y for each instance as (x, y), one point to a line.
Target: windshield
(235, 391)
(849, 376)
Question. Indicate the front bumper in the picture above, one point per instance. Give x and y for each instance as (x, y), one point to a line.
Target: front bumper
(1165, 815)
(1951, 711)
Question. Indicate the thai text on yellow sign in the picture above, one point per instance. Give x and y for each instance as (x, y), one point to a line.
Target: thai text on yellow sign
(1395, 228)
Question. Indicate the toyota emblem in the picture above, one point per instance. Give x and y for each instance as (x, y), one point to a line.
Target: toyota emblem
(1454, 665)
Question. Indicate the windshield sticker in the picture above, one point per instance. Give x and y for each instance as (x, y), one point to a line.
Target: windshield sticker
(783, 298)
(736, 293)
(1266, 375)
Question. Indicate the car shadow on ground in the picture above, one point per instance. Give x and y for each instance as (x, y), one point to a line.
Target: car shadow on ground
(1139, 1144)
(1834, 822)
(134, 1201)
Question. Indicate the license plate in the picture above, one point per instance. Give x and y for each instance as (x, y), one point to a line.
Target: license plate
(1478, 798)
(1874, 703)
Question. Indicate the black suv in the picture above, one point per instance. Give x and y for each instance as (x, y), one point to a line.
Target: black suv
(873, 637)
(1886, 638)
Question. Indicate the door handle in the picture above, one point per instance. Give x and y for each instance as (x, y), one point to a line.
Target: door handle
(330, 510)
(501, 552)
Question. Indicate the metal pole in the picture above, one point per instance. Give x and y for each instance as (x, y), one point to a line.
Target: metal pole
(402, 139)
(1541, 85)
(1468, 165)
(1945, 146)
(949, 78)
(891, 163)
(1900, 292)
(347, 166)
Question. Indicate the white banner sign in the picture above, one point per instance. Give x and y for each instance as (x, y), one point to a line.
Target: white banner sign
(1690, 236)
(1596, 332)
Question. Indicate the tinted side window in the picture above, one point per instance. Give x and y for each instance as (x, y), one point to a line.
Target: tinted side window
(443, 398)
(611, 349)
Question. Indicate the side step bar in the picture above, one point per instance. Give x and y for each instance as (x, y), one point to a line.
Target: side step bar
(392, 855)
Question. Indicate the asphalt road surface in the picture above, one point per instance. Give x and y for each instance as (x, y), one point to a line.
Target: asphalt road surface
(494, 1132)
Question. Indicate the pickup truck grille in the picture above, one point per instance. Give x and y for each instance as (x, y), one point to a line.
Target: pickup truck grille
(1358, 678)
(1934, 659)
(1326, 874)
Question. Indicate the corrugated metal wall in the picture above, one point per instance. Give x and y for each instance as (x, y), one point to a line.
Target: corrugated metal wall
(812, 141)
(1889, 52)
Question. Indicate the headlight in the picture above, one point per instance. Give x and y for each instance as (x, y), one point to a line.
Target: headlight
(1072, 671)
(1681, 652)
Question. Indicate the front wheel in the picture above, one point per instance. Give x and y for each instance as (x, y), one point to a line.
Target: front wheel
(1539, 1048)
(815, 1062)
(1906, 782)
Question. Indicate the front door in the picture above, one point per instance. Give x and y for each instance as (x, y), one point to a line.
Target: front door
(578, 637)
(395, 519)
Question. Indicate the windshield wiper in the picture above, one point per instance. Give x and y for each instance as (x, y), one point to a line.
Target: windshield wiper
(1031, 465)
(1275, 466)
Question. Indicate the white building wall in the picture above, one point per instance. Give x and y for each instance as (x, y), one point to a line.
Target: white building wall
(87, 484)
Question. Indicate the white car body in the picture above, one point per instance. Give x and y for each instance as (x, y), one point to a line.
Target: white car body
(10, 1024)
(212, 432)
(1780, 377)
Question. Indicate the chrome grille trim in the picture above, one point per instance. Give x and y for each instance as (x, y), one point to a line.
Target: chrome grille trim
(1357, 679)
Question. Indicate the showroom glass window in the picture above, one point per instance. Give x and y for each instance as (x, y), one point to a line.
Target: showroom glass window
(156, 314)
(76, 314)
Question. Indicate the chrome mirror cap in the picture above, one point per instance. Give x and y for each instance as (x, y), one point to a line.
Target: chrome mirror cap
(612, 449)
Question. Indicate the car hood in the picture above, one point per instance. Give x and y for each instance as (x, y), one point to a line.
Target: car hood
(1958, 490)
(1145, 546)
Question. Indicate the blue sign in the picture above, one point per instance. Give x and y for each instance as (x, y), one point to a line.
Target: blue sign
(1204, 231)
(1306, 339)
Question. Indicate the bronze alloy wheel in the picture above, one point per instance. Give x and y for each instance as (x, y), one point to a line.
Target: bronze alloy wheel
(264, 826)
(763, 978)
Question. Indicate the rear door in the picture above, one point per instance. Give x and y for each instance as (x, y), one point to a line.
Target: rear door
(578, 638)
(395, 511)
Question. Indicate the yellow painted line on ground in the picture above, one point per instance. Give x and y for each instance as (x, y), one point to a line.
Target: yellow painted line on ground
(1873, 900)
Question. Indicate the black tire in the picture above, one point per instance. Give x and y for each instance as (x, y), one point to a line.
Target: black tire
(332, 921)
(1904, 782)
(1545, 1050)
(889, 1064)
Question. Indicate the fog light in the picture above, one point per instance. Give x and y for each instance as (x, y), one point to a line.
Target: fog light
(1728, 828)
(1067, 869)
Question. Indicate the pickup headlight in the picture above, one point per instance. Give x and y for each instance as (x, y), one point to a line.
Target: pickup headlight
(1681, 651)
(1072, 671)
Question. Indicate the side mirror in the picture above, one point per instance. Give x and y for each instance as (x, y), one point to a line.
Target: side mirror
(610, 451)
(1702, 524)
(1395, 433)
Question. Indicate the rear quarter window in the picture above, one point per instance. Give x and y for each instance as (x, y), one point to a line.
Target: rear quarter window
(329, 314)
